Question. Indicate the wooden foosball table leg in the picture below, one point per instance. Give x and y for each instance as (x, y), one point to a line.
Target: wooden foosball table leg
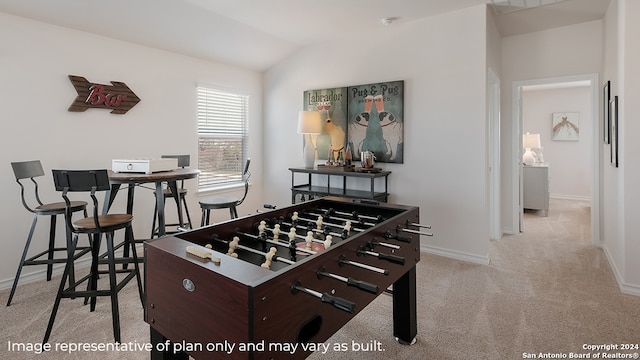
(405, 321)
(160, 342)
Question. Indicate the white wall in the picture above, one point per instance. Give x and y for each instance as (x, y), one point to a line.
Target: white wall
(630, 128)
(619, 185)
(613, 198)
(35, 93)
(443, 63)
(570, 162)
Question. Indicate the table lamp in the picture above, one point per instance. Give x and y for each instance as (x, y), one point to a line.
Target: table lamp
(530, 141)
(310, 125)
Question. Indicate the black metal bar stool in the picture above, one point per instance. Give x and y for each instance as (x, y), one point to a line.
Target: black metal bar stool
(91, 181)
(225, 202)
(181, 202)
(31, 170)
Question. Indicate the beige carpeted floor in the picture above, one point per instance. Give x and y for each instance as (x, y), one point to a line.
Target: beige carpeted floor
(546, 290)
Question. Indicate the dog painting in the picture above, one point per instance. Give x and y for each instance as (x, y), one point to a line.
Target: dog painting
(360, 118)
(375, 120)
(332, 106)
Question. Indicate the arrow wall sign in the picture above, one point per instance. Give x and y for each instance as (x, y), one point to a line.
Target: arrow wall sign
(117, 97)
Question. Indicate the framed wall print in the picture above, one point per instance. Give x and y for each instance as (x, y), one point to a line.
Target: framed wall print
(565, 126)
(613, 135)
(332, 106)
(376, 120)
(606, 117)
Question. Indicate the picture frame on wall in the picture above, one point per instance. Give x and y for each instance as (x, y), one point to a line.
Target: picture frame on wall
(613, 135)
(376, 120)
(606, 115)
(332, 105)
(358, 119)
(565, 126)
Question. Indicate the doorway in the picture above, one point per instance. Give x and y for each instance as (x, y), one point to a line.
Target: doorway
(592, 122)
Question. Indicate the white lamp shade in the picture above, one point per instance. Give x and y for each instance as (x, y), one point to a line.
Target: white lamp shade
(531, 141)
(309, 122)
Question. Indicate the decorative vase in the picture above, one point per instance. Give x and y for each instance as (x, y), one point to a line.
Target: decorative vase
(309, 154)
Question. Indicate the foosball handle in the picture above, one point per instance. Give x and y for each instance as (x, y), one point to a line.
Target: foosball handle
(338, 302)
(367, 201)
(363, 285)
(392, 258)
(389, 235)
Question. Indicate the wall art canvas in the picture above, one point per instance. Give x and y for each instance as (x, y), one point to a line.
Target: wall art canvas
(376, 121)
(565, 126)
(332, 105)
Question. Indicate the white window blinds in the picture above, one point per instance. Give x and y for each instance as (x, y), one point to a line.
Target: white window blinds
(222, 137)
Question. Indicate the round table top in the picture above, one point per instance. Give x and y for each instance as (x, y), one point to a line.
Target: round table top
(178, 174)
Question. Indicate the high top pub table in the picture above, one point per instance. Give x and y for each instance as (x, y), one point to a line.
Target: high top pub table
(133, 179)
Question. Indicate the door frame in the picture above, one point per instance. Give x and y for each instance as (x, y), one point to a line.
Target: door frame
(596, 154)
(495, 212)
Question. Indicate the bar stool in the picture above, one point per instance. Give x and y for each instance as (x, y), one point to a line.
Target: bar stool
(225, 202)
(183, 161)
(91, 181)
(31, 170)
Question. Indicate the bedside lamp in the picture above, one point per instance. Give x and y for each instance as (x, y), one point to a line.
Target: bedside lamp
(309, 124)
(530, 141)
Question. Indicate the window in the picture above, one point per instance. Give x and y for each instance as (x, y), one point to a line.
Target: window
(223, 136)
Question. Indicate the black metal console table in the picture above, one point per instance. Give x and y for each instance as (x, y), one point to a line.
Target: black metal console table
(312, 190)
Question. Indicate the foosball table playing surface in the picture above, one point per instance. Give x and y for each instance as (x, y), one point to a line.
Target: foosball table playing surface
(276, 284)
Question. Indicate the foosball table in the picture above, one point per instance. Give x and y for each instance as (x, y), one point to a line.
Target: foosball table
(273, 284)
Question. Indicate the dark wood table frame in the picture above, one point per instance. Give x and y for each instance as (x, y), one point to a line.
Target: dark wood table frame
(311, 190)
(238, 301)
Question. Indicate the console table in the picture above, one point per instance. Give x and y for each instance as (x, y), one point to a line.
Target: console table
(308, 188)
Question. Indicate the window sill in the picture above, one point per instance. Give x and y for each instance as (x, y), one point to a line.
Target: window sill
(221, 189)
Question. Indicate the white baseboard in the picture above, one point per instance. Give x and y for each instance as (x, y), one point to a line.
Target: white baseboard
(570, 197)
(630, 289)
(482, 260)
(41, 273)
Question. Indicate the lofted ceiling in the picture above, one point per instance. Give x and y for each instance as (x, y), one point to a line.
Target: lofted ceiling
(256, 34)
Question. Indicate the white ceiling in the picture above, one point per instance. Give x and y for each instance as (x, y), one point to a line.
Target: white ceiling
(256, 34)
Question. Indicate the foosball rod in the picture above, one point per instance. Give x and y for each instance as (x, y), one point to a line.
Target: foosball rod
(342, 219)
(343, 260)
(388, 257)
(399, 228)
(327, 223)
(282, 244)
(409, 223)
(340, 303)
(246, 248)
(387, 245)
(261, 228)
(314, 230)
(353, 214)
(362, 285)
